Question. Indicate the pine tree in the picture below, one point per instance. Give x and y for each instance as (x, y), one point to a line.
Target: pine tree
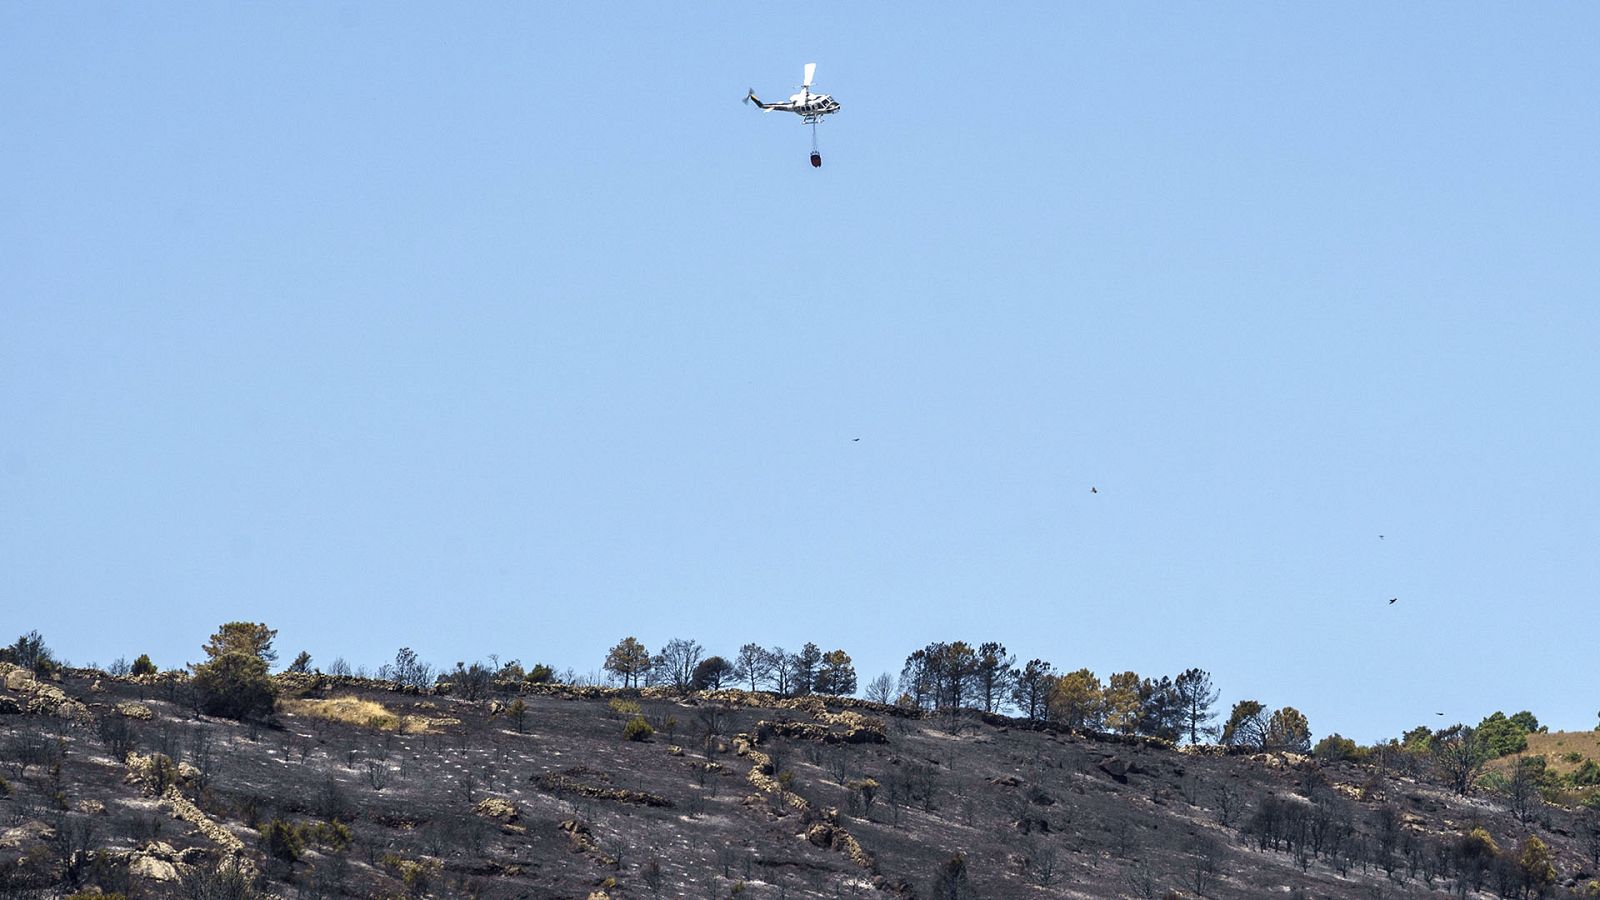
(836, 674)
(628, 660)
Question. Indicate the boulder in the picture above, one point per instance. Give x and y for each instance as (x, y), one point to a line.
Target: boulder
(132, 710)
(498, 808)
(1116, 767)
(1029, 826)
(153, 868)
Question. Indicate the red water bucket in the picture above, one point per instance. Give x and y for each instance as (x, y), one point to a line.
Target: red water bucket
(816, 160)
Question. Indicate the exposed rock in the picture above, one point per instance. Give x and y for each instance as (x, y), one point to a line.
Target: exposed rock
(584, 842)
(39, 698)
(156, 861)
(820, 834)
(562, 784)
(154, 772)
(12, 838)
(498, 808)
(91, 807)
(1116, 767)
(153, 868)
(132, 710)
(182, 809)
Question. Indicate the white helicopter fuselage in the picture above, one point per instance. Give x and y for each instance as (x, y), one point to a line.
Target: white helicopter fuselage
(809, 104)
(805, 104)
(810, 107)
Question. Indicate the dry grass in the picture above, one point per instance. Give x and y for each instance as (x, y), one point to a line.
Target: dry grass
(1554, 747)
(355, 711)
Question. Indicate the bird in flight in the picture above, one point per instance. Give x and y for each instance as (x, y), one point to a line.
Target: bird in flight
(1092, 490)
(1438, 714)
(855, 440)
(1393, 600)
(1380, 537)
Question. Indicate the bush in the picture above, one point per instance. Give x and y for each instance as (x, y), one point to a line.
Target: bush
(163, 772)
(234, 685)
(282, 841)
(225, 882)
(1335, 748)
(469, 682)
(418, 875)
(333, 835)
(624, 707)
(518, 711)
(30, 653)
(143, 666)
(637, 729)
(1586, 774)
(541, 674)
(1504, 736)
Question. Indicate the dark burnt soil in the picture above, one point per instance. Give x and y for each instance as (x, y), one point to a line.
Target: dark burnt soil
(734, 795)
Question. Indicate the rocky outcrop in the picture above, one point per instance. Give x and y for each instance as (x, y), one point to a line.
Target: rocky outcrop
(38, 698)
(557, 783)
(132, 710)
(181, 808)
(583, 842)
(498, 808)
(157, 861)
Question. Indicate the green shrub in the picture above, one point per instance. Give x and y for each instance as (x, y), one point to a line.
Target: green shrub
(1505, 736)
(333, 835)
(418, 874)
(281, 840)
(234, 685)
(1586, 774)
(624, 707)
(518, 711)
(541, 674)
(1572, 756)
(637, 729)
(163, 772)
(1334, 748)
(143, 666)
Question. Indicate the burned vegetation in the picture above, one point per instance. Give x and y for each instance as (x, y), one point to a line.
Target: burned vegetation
(130, 785)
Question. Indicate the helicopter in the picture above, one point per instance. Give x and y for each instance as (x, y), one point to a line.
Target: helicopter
(808, 106)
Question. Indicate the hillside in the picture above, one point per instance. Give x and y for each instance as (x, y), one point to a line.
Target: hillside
(356, 788)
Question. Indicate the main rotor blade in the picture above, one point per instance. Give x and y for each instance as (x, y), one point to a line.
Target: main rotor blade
(811, 69)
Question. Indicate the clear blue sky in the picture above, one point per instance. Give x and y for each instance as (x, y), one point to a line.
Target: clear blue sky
(506, 328)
